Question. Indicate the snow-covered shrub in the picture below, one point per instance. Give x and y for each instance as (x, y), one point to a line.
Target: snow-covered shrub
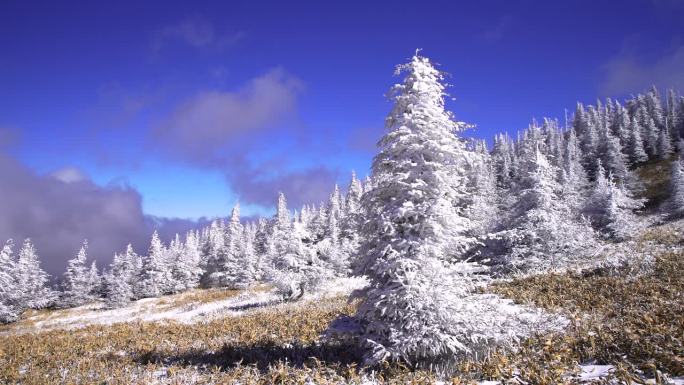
(610, 208)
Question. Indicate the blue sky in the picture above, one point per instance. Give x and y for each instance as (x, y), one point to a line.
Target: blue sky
(196, 105)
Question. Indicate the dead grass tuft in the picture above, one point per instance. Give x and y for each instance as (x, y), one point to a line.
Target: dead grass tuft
(635, 324)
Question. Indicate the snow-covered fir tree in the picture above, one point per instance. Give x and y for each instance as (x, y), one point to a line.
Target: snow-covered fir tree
(292, 267)
(413, 227)
(573, 178)
(353, 197)
(482, 203)
(675, 204)
(95, 280)
(187, 258)
(155, 278)
(611, 155)
(586, 131)
(539, 232)
(9, 310)
(664, 143)
(118, 286)
(213, 249)
(635, 150)
(77, 285)
(610, 207)
(31, 280)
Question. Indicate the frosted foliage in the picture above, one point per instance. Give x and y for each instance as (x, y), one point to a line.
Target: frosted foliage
(675, 205)
(118, 282)
(31, 280)
(8, 289)
(292, 267)
(540, 232)
(187, 271)
(610, 207)
(78, 284)
(414, 308)
(155, 277)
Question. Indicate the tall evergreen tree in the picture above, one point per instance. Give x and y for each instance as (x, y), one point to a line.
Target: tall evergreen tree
(539, 232)
(155, 277)
(675, 204)
(353, 197)
(31, 280)
(413, 225)
(117, 281)
(664, 143)
(186, 268)
(587, 133)
(635, 149)
(9, 311)
(77, 286)
(610, 207)
(573, 178)
(610, 153)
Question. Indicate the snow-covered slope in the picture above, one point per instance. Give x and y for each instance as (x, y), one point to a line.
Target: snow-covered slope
(184, 308)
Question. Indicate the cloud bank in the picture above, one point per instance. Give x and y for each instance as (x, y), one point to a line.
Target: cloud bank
(59, 211)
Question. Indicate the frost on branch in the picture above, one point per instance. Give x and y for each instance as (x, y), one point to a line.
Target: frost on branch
(420, 306)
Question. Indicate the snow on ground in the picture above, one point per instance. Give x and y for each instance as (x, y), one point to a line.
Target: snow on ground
(164, 309)
(590, 373)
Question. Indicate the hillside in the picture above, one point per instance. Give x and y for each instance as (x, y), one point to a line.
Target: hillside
(620, 327)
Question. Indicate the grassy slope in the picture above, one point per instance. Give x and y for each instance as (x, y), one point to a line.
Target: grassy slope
(636, 325)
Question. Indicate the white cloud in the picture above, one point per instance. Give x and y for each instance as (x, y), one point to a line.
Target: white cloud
(211, 120)
(630, 72)
(69, 175)
(196, 32)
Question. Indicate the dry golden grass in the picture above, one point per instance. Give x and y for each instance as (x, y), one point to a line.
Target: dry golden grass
(634, 324)
(631, 323)
(132, 352)
(198, 296)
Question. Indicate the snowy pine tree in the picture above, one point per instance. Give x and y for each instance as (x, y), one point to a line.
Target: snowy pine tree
(353, 198)
(413, 226)
(574, 183)
(9, 310)
(77, 285)
(675, 205)
(187, 259)
(664, 143)
(610, 207)
(31, 280)
(635, 149)
(117, 281)
(540, 232)
(155, 278)
(292, 267)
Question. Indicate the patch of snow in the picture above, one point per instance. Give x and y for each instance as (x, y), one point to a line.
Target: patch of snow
(160, 309)
(590, 373)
